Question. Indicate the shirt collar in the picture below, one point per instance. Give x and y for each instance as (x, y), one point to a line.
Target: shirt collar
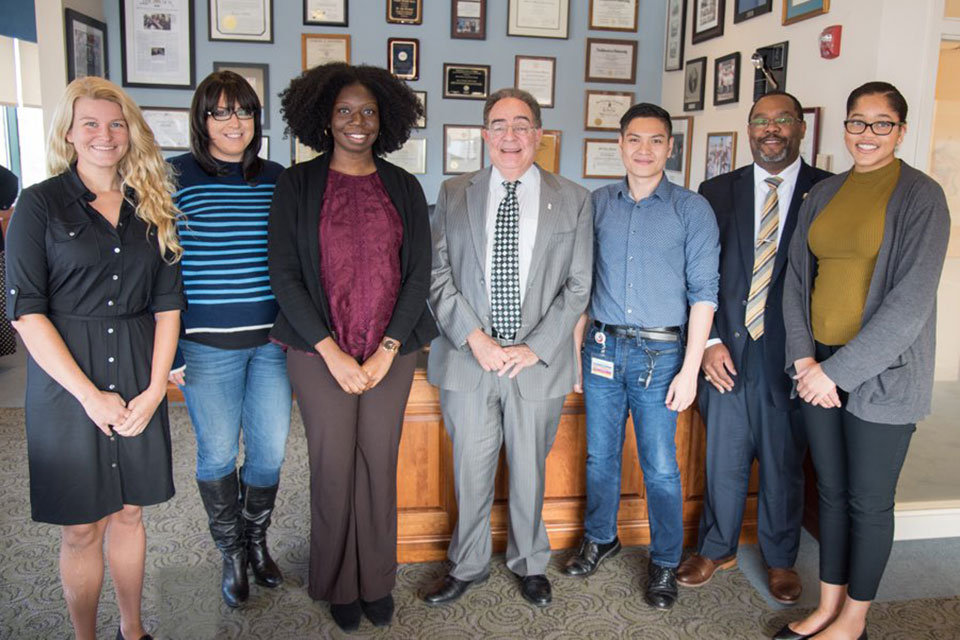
(663, 191)
(530, 177)
(73, 187)
(789, 174)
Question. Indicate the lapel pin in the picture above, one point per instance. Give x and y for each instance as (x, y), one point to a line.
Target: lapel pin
(804, 196)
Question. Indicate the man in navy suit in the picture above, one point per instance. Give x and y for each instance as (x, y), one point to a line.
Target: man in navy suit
(746, 399)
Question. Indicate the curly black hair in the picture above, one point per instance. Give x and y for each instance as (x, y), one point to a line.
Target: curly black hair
(307, 104)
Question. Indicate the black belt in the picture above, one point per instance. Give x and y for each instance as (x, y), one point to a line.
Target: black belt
(663, 334)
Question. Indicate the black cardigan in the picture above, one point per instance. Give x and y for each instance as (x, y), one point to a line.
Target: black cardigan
(294, 257)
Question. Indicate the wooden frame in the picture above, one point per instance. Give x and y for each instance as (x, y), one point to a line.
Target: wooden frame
(330, 54)
(300, 152)
(713, 12)
(170, 126)
(810, 145)
(678, 164)
(598, 70)
(405, 11)
(450, 165)
(675, 35)
(218, 21)
(694, 84)
(746, 9)
(470, 76)
(470, 25)
(548, 153)
(719, 164)
(604, 15)
(91, 58)
(319, 16)
(792, 14)
(527, 18)
(422, 122)
(179, 21)
(602, 111)
(610, 144)
(403, 58)
(726, 80)
(531, 80)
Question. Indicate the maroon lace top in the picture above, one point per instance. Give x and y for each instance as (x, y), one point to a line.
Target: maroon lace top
(360, 238)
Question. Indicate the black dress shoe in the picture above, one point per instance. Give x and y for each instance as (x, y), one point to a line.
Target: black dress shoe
(449, 589)
(589, 557)
(786, 633)
(144, 637)
(347, 616)
(536, 589)
(661, 586)
(380, 611)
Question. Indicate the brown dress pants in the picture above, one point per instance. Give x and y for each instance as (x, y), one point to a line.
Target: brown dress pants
(352, 442)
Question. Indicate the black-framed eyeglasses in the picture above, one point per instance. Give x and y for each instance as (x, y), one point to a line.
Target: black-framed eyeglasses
(880, 127)
(782, 121)
(222, 114)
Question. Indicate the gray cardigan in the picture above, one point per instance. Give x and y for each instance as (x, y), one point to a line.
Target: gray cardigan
(887, 369)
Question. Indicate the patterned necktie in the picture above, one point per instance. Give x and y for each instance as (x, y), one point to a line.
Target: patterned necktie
(763, 257)
(505, 268)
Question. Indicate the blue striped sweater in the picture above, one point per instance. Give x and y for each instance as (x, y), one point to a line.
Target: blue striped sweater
(223, 231)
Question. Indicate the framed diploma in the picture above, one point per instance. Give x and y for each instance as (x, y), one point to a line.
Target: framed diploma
(721, 153)
(548, 153)
(405, 11)
(468, 81)
(422, 97)
(538, 76)
(321, 48)
(300, 152)
(86, 44)
(678, 163)
(675, 33)
(538, 18)
(468, 19)
(157, 44)
(694, 81)
(797, 10)
(601, 158)
(614, 15)
(257, 76)
(746, 9)
(462, 148)
(810, 144)
(611, 61)
(707, 19)
(403, 57)
(412, 156)
(264, 147)
(604, 109)
(170, 126)
(726, 79)
(242, 20)
(327, 13)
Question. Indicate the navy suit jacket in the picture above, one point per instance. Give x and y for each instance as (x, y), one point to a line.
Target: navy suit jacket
(731, 196)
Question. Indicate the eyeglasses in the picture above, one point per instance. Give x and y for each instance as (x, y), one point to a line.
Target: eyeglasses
(782, 121)
(880, 127)
(222, 114)
(519, 130)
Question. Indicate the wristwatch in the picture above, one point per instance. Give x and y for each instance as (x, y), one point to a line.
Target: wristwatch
(390, 345)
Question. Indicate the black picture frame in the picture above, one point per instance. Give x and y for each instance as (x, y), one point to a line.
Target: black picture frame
(263, 93)
(403, 58)
(307, 20)
(461, 80)
(712, 32)
(746, 9)
(675, 34)
(468, 27)
(75, 63)
(726, 81)
(694, 84)
(190, 81)
(211, 28)
(422, 122)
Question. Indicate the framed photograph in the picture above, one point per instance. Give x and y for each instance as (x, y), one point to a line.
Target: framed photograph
(746, 9)
(412, 156)
(321, 48)
(538, 76)
(548, 153)
(538, 18)
(614, 15)
(300, 152)
(694, 82)
(604, 109)
(86, 44)
(601, 158)
(707, 19)
(467, 81)
(721, 153)
(462, 148)
(611, 61)
(403, 58)
(810, 145)
(157, 44)
(258, 76)
(676, 30)
(678, 164)
(405, 11)
(325, 13)
(468, 19)
(241, 20)
(726, 79)
(264, 147)
(797, 10)
(170, 126)
(422, 97)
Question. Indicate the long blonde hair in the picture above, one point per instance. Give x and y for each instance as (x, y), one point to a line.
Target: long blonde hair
(142, 168)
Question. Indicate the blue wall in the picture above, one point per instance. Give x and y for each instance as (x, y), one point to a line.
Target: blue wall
(368, 37)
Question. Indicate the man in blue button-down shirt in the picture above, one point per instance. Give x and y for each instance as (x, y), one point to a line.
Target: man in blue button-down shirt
(655, 281)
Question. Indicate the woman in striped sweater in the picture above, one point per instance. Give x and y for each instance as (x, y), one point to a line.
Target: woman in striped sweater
(233, 378)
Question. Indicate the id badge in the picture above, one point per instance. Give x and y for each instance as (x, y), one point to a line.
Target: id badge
(601, 367)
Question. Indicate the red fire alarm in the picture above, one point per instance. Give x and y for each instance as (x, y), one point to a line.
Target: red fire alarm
(830, 41)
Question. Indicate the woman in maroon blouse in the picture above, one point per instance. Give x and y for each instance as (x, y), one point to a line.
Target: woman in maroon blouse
(349, 260)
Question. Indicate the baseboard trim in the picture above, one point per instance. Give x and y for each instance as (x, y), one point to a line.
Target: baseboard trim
(922, 521)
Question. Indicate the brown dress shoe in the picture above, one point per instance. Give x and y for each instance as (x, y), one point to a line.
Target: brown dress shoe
(697, 570)
(785, 585)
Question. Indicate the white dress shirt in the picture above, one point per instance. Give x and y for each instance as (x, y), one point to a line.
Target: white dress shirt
(784, 194)
(528, 197)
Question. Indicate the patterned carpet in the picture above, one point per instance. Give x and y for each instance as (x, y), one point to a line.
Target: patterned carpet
(182, 602)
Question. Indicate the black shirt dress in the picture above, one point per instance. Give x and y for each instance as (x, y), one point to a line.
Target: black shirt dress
(100, 287)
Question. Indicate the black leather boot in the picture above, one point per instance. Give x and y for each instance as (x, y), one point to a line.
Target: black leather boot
(221, 499)
(257, 507)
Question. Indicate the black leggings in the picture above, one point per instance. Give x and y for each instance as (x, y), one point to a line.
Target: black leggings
(858, 464)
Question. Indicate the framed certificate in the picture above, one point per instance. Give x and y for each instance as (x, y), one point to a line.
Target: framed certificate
(468, 19)
(328, 13)
(536, 75)
(300, 152)
(422, 97)
(675, 32)
(694, 81)
(157, 44)
(678, 164)
(601, 158)
(241, 20)
(468, 81)
(412, 156)
(403, 57)
(86, 44)
(462, 148)
(611, 61)
(405, 11)
(321, 48)
(258, 76)
(721, 153)
(810, 144)
(726, 79)
(746, 9)
(797, 10)
(604, 109)
(548, 153)
(707, 19)
(264, 147)
(171, 127)
(614, 15)
(538, 18)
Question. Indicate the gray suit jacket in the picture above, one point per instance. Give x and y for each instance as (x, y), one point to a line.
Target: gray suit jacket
(558, 285)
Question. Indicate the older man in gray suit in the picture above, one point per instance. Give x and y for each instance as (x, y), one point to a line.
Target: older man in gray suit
(513, 249)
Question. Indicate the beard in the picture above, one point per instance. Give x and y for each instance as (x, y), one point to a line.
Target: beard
(780, 156)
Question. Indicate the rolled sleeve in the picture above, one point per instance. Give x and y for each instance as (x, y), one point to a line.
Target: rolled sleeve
(168, 288)
(702, 249)
(26, 258)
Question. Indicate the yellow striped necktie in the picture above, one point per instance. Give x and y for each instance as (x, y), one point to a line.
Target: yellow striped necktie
(763, 257)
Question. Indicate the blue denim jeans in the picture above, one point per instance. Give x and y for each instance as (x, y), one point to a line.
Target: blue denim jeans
(642, 372)
(229, 390)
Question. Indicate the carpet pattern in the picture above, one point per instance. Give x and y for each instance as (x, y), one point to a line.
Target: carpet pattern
(182, 600)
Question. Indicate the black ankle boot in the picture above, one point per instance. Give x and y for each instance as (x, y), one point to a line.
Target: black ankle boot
(257, 506)
(221, 500)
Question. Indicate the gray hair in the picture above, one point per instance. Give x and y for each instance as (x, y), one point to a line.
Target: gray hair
(512, 92)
